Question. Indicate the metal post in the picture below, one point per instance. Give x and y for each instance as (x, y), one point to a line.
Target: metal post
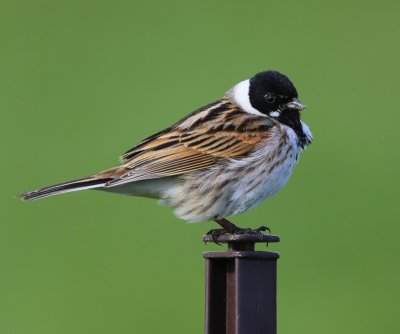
(241, 286)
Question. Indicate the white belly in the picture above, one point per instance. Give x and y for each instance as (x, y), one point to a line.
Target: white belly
(237, 186)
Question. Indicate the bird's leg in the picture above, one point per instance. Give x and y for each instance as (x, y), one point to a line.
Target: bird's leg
(227, 225)
(230, 228)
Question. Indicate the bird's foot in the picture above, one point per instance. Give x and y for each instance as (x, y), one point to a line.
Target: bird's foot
(253, 231)
(215, 233)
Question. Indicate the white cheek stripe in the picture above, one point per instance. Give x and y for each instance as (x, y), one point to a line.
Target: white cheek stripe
(240, 94)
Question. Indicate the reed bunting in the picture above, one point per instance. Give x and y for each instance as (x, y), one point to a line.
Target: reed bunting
(220, 160)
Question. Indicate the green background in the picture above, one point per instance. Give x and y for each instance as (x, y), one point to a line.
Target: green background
(83, 81)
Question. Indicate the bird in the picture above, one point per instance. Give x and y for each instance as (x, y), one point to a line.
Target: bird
(220, 160)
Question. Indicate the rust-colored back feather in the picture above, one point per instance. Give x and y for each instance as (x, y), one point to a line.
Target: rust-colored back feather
(219, 131)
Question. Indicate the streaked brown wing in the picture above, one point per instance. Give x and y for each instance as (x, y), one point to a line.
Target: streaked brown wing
(206, 112)
(198, 141)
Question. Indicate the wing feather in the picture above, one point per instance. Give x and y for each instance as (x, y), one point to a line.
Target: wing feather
(219, 132)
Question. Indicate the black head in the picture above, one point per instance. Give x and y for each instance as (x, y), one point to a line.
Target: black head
(274, 95)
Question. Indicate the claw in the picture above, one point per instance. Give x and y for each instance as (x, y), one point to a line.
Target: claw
(263, 229)
(258, 230)
(215, 233)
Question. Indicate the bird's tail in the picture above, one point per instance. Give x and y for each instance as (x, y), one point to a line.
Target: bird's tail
(74, 185)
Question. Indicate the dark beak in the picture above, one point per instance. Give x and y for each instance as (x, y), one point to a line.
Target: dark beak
(295, 104)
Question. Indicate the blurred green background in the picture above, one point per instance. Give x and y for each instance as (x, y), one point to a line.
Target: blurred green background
(82, 81)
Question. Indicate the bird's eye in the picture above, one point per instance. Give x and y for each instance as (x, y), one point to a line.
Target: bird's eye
(270, 98)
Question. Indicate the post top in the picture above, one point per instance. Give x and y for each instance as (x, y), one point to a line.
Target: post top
(242, 241)
(242, 238)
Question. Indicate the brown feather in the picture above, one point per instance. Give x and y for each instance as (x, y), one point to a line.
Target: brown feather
(198, 141)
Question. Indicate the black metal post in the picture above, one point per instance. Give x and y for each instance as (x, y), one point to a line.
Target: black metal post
(241, 286)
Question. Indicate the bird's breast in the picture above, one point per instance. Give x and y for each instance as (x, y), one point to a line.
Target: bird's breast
(265, 172)
(238, 184)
